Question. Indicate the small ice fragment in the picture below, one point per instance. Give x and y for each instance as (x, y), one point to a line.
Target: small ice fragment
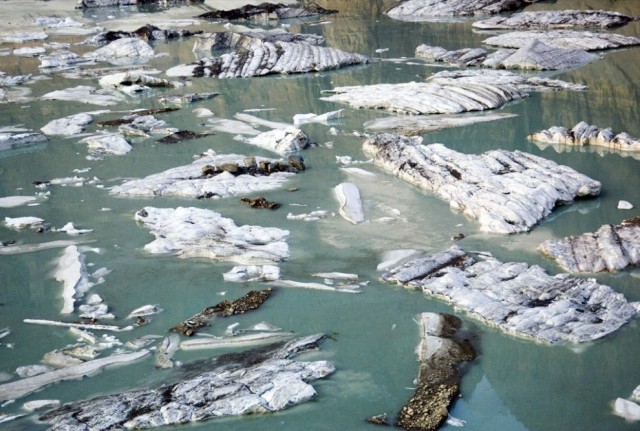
(379, 50)
(624, 205)
(626, 409)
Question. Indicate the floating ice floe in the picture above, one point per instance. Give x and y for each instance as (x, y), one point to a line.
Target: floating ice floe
(533, 55)
(311, 216)
(183, 99)
(519, 299)
(147, 33)
(625, 205)
(282, 141)
(34, 405)
(70, 229)
(259, 54)
(268, 11)
(29, 51)
(226, 389)
(610, 248)
(128, 50)
(317, 286)
(10, 141)
(145, 310)
(588, 41)
(582, 134)
(72, 272)
(111, 143)
(86, 94)
(165, 352)
(427, 10)
(57, 22)
(318, 118)
(135, 82)
(16, 201)
(507, 192)
(554, 19)
(627, 409)
(28, 248)
(441, 351)
(236, 340)
(421, 124)
(206, 177)
(195, 232)
(23, 37)
(447, 92)
(62, 59)
(350, 208)
(24, 222)
(20, 388)
(252, 273)
(67, 126)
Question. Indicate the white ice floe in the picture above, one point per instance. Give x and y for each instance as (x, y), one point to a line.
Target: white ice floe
(131, 82)
(70, 229)
(317, 286)
(252, 273)
(23, 37)
(145, 310)
(202, 233)
(113, 143)
(28, 51)
(123, 51)
(312, 216)
(336, 275)
(627, 409)
(23, 387)
(282, 141)
(16, 201)
(420, 124)
(34, 405)
(28, 248)
(61, 59)
(318, 118)
(232, 126)
(238, 340)
(57, 22)
(625, 205)
(519, 299)
(72, 272)
(190, 181)
(67, 126)
(202, 112)
(86, 94)
(350, 208)
(24, 222)
(10, 140)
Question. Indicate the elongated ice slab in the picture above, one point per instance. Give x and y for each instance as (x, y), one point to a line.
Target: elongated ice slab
(191, 181)
(426, 10)
(554, 19)
(583, 134)
(350, 208)
(195, 232)
(507, 192)
(517, 298)
(589, 41)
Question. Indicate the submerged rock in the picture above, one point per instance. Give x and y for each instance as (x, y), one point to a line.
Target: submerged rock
(447, 92)
(583, 134)
(260, 202)
(258, 381)
(589, 41)
(517, 298)
(259, 54)
(507, 192)
(211, 176)
(182, 135)
(610, 248)
(555, 19)
(423, 10)
(187, 98)
(440, 352)
(250, 301)
(535, 55)
(201, 233)
(268, 11)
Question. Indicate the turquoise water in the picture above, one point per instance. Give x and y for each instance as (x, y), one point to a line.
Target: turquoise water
(513, 385)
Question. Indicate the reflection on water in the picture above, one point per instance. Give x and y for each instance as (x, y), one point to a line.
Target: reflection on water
(514, 384)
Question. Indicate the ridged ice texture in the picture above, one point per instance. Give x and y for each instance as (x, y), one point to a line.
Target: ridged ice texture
(583, 134)
(517, 298)
(589, 41)
(555, 19)
(507, 192)
(202, 233)
(254, 382)
(267, 58)
(610, 248)
(416, 10)
(534, 55)
(189, 181)
(448, 92)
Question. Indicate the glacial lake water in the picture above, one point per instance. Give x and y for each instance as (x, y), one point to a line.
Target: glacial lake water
(514, 384)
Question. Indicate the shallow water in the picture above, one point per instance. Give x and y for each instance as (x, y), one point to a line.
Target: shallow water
(513, 385)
